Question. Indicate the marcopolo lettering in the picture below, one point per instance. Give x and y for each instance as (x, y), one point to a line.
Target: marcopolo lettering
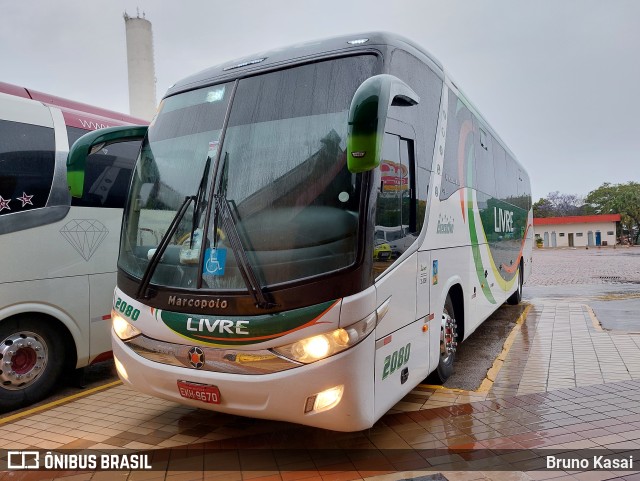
(220, 325)
(201, 303)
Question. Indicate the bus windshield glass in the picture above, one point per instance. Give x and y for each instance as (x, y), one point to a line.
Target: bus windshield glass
(280, 175)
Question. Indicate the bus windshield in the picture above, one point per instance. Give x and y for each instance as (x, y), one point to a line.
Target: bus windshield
(280, 172)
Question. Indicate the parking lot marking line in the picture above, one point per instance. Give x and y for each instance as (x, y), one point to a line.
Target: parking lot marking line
(492, 373)
(58, 402)
(437, 386)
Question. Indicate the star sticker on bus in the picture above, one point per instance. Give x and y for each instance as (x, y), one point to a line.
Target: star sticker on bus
(4, 204)
(25, 199)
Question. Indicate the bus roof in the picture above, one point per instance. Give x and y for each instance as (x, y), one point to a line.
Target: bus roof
(76, 114)
(299, 53)
(309, 50)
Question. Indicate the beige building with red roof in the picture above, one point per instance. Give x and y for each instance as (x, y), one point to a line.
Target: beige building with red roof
(577, 231)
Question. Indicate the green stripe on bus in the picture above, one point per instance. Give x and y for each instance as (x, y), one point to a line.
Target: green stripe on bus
(475, 248)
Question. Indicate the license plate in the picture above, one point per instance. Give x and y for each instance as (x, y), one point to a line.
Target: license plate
(200, 392)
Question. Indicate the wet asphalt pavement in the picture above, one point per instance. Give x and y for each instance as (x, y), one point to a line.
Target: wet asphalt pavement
(607, 280)
(476, 355)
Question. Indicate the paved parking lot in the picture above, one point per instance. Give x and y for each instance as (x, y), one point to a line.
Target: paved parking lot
(563, 383)
(567, 266)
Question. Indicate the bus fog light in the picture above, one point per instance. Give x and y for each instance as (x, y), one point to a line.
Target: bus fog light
(122, 328)
(122, 372)
(324, 400)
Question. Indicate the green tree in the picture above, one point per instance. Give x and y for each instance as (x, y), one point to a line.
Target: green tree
(623, 199)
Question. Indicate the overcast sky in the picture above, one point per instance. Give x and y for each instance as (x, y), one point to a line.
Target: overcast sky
(558, 80)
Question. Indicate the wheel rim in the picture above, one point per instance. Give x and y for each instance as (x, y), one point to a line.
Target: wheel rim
(448, 337)
(23, 357)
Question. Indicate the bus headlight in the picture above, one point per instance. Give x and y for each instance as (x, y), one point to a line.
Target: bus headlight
(122, 328)
(321, 346)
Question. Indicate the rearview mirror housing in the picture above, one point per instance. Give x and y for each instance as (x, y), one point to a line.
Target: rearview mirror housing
(367, 118)
(90, 143)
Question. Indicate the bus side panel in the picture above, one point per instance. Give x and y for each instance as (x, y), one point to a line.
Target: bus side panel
(99, 235)
(101, 287)
(402, 348)
(400, 365)
(84, 242)
(487, 291)
(398, 285)
(61, 258)
(66, 299)
(423, 285)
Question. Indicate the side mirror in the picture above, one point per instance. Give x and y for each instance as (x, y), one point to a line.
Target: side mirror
(92, 142)
(367, 118)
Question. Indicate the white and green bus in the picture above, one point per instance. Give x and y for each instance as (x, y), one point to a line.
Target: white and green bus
(247, 282)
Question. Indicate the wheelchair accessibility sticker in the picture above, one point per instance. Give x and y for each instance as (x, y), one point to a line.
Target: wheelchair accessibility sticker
(214, 262)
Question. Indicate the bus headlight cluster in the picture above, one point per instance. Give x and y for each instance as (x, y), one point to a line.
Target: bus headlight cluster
(122, 328)
(321, 346)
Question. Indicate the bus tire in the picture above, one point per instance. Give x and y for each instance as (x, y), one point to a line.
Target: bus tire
(448, 334)
(515, 298)
(31, 360)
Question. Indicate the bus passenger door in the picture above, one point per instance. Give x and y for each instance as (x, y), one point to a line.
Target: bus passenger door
(401, 359)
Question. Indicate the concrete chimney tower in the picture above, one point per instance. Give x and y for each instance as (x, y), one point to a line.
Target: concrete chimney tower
(142, 81)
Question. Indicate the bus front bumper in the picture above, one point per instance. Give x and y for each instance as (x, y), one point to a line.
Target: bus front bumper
(283, 396)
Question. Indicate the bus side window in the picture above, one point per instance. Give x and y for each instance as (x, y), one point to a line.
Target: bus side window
(107, 176)
(503, 187)
(27, 161)
(485, 180)
(458, 152)
(396, 207)
(409, 193)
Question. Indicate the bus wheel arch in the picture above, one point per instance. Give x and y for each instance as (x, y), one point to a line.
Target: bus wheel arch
(515, 298)
(35, 349)
(451, 333)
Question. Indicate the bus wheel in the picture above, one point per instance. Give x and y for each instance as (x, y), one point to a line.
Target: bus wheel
(515, 298)
(31, 361)
(448, 342)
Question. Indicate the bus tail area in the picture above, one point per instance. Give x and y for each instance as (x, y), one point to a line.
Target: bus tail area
(311, 233)
(60, 257)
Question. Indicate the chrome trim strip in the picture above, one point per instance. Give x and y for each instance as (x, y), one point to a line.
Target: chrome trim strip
(231, 361)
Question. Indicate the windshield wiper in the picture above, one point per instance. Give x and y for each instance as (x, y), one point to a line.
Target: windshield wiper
(224, 216)
(162, 246)
(175, 222)
(200, 203)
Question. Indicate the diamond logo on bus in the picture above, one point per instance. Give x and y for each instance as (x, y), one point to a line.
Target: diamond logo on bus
(84, 235)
